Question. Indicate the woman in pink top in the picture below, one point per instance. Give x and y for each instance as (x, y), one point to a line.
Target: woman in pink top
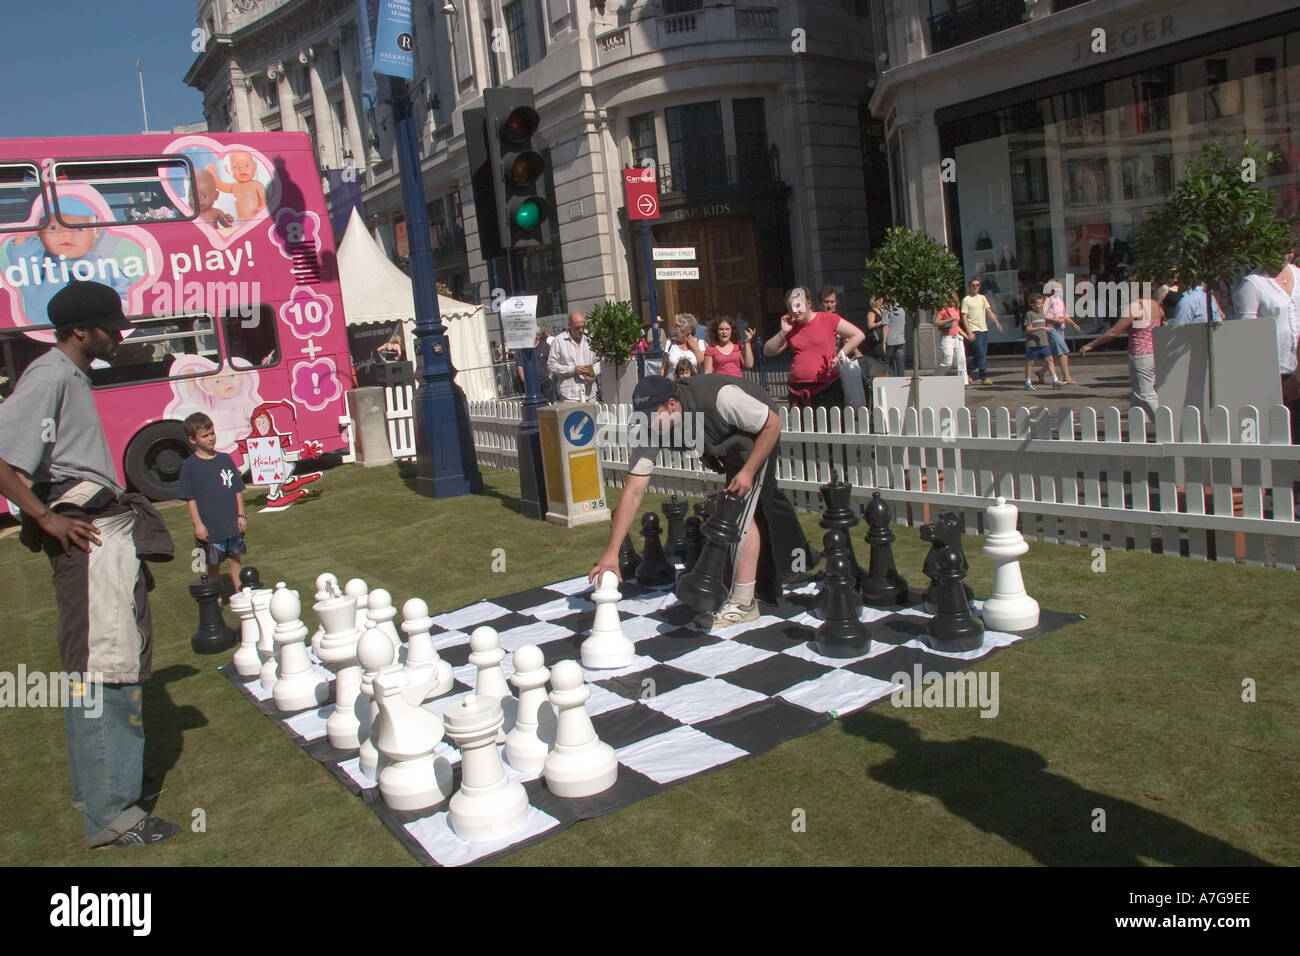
(1139, 319)
(955, 335)
(724, 355)
(814, 373)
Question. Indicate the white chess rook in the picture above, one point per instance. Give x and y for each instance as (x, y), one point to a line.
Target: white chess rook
(581, 764)
(375, 654)
(246, 660)
(338, 652)
(267, 649)
(608, 646)
(428, 675)
(533, 735)
(299, 685)
(410, 778)
(1009, 607)
(490, 680)
(488, 805)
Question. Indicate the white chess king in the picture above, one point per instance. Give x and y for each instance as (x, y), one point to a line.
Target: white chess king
(1009, 607)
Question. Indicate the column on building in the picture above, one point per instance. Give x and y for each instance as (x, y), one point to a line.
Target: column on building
(320, 108)
(351, 114)
(242, 117)
(256, 105)
(284, 92)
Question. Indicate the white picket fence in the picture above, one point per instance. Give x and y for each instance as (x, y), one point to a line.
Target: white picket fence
(1094, 480)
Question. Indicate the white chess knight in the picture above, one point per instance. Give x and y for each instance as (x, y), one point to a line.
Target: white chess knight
(411, 778)
(375, 654)
(338, 651)
(533, 735)
(1009, 607)
(490, 680)
(299, 684)
(607, 646)
(428, 675)
(488, 805)
(581, 764)
(247, 662)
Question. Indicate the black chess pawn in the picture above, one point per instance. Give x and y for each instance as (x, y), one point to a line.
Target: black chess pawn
(628, 559)
(842, 632)
(654, 570)
(705, 587)
(694, 541)
(882, 586)
(705, 508)
(250, 578)
(838, 515)
(953, 627)
(944, 531)
(213, 636)
(675, 538)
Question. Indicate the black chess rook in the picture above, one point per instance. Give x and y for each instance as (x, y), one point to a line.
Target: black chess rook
(213, 636)
(882, 586)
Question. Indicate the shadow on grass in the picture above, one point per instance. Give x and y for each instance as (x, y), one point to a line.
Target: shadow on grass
(1007, 790)
(409, 472)
(164, 723)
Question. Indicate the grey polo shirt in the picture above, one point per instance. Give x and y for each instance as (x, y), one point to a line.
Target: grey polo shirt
(50, 428)
(743, 412)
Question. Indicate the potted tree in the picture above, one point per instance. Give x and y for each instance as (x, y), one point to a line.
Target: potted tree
(915, 271)
(614, 330)
(1216, 226)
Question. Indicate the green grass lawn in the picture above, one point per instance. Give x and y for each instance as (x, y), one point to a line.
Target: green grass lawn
(1136, 711)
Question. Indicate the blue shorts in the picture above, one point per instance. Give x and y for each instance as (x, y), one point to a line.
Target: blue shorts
(214, 552)
(1056, 337)
(1037, 352)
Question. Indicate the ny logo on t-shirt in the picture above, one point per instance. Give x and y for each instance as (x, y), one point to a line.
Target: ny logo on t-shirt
(227, 476)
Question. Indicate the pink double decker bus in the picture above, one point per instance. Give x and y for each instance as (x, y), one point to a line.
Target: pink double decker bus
(220, 247)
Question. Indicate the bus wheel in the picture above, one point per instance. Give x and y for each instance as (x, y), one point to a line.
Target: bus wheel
(153, 459)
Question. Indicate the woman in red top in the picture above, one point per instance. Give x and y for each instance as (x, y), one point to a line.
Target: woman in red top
(724, 355)
(814, 373)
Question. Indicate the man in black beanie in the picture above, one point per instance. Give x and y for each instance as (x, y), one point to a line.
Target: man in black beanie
(55, 465)
(735, 429)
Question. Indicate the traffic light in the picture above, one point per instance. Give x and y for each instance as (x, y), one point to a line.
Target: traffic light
(522, 211)
(483, 179)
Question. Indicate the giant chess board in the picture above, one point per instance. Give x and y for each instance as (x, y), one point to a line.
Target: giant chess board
(691, 702)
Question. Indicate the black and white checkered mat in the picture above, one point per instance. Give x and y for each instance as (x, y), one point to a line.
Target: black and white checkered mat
(691, 701)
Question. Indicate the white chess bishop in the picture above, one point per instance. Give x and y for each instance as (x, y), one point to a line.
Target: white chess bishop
(608, 646)
(533, 735)
(581, 764)
(375, 654)
(338, 651)
(488, 805)
(428, 675)
(410, 777)
(1009, 607)
(247, 662)
(299, 684)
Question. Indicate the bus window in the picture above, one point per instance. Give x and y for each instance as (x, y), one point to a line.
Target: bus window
(250, 337)
(149, 350)
(20, 188)
(17, 351)
(132, 188)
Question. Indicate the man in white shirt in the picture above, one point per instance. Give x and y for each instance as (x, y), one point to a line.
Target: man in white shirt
(572, 363)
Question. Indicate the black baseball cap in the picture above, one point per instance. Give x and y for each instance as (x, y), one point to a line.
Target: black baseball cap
(651, 392)
(85, 305)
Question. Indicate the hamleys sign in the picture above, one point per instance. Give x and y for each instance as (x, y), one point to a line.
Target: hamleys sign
(642, 193)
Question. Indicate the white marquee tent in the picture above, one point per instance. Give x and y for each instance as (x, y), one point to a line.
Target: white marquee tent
(375, 290)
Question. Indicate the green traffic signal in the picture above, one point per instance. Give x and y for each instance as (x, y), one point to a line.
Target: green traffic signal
(528, 215)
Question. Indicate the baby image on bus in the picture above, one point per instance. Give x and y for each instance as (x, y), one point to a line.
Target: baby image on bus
(35, 265)
(234, 185)
(228, 397)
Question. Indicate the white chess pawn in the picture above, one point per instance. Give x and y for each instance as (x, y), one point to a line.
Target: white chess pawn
(607, 646)
(490, 680)
(427, 673)
(580, 765)
(267, 650)
(1009, 607)
(327, 586)
(380, 613)
(534, 732)
(375, 654)
(299, 684)
(410, 778)
(361, 591)
(338, 652)
(246, 660)
(488, 805)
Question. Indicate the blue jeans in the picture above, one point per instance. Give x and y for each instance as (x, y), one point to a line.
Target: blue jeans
(106, 760)
(896, 360)
(979, 369)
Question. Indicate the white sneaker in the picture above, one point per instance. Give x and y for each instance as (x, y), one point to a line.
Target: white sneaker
(733, 613)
